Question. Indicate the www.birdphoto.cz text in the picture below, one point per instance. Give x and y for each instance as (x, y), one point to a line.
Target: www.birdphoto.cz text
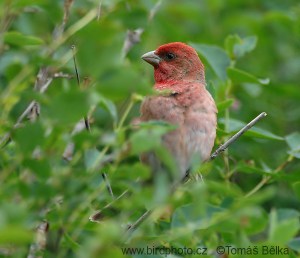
(220, 250)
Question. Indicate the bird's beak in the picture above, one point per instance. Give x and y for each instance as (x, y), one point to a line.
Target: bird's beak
(151, 58)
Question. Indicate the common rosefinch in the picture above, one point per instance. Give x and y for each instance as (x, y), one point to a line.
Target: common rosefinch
(189, 106)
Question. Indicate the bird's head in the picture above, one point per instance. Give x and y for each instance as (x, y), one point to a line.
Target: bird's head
(175, 62)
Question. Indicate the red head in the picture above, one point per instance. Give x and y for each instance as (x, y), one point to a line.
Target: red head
(175, 62)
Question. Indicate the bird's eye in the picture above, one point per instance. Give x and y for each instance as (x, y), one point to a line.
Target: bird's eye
(170, 56)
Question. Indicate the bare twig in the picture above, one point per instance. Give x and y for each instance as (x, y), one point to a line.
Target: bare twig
(73, 47)
(138, 222)
(108, 186)
(132, 38)
(266, 179)
(69, 150)
(224, 146)
(67, 7)
(154, 10)
(63, 75)
(40, 240)
(6, 20)
(58, 31)
(97, 216)
(86, 121)
(99, 10)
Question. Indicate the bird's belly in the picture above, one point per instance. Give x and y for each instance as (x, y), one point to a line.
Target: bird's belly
(199, 135)
(195, 133)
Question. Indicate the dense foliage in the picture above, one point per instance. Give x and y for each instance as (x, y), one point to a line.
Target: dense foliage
(250, 197)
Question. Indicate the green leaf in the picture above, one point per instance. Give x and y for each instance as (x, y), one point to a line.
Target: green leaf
(24, 3)
(41, 168)
(192, 216)
(70, 242)
(121, 82)
(246, 45)
(240, 76)
(148, 137)
(29, 137)
(127, 171)
(253, 219)
(237, 47)
(224, 104)
(295, 244)
(15, 235)
(235, 125)
(216, 57)
(264, 134)
(110, 107)
(68, 107)
(230, 42)
(296, 188)
(90, 158)
(18, 39)
(245, 168)
(105, 103)
(284, 225)
(293, 141)
(285, 214)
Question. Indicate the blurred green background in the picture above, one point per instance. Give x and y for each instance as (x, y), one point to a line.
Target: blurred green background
(251, 193)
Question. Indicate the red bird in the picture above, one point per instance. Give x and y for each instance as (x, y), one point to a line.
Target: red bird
(189, 106)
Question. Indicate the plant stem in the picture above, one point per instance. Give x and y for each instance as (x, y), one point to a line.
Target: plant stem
(266, 179)
(126, 112)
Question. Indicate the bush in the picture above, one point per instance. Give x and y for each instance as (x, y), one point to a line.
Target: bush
(54, 174)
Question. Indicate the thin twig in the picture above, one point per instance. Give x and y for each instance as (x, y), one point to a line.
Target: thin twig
(75, 64)
(154, 10)
(97, 216)
(266, 179)
(99, 10)
(40, 240)
(126, 112)
(108, 186)
(86, 120)
(69, 150)
(62, 75)
(138, 222)
(24, 114)
(133, 37)
(232, 139)
(67, 7)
